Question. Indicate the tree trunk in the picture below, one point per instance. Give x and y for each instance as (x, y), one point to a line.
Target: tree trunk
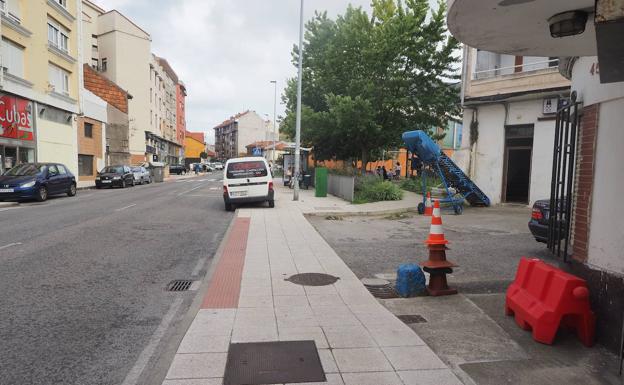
(364, 161)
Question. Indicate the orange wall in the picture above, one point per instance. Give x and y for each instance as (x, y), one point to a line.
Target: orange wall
(370, 166)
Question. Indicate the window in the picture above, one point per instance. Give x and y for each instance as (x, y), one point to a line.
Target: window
(59, 79)
(58, 36)
(151, 92)
(104, 64)
(52, 170)
(94, 63)
(62, 3)
(85, 165)
(61, 169)
(11, 9)
(88, 130)
(13, 58)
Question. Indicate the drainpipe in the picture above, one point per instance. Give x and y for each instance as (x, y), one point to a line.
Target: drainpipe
(463, 75)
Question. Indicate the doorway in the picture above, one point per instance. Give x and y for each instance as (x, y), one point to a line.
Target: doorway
(517, 164)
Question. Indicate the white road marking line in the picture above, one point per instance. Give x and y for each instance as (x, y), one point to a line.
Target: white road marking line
(214, 188)
(188, 191)
(212, 180)
(135, 373)
(127, 207)
(10, 245)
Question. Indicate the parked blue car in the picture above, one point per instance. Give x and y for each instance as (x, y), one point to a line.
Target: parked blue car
(36, 181)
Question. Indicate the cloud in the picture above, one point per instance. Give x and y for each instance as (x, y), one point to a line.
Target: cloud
(226, 51)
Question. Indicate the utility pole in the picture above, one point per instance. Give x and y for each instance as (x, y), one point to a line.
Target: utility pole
(274, 119)
(298, 120)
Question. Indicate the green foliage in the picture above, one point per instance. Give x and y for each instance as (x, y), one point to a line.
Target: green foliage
(203, 155)
(415, 184)
(368, 78)
(374, 189)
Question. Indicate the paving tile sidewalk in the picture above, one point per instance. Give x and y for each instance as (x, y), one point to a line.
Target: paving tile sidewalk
(358, 340)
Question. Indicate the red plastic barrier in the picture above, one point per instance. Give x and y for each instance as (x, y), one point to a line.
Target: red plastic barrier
(542, 297)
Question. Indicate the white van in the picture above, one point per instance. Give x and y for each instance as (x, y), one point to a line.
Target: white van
(247, 180)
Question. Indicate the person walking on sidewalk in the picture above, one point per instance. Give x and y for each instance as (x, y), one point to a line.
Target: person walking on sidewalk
(397, 171)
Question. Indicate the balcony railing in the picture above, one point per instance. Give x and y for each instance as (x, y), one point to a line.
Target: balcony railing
(550, 65)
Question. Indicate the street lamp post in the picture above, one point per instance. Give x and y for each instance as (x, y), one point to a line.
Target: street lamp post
(274, 119)
(298, 120)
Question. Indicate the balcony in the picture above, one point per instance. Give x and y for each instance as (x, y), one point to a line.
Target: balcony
(494, 74)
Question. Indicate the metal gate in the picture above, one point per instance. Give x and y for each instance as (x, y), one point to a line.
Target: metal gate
(564, 151)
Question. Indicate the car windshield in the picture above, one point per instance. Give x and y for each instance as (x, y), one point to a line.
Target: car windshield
(136, 169)
(113, 170)
(248, 169)
(26, 170)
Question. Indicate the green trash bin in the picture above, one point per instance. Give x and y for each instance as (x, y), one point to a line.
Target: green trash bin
(320, 182)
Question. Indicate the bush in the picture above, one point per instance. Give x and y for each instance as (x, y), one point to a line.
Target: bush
(374, 189)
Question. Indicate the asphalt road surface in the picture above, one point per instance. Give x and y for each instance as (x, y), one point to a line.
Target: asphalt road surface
(83, 280)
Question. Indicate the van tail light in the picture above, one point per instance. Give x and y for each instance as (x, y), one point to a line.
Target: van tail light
(537, 214)
(225, 189)
(270, 186)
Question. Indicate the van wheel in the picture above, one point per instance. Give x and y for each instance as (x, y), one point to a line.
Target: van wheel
(229, 207)
(271, 203)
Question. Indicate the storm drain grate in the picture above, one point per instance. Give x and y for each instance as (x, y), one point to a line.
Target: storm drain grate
(179, 285)
(312, 279)
(273, 363)
(411, 318)
(380, 288)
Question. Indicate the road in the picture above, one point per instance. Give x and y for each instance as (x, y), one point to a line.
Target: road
(83, 280)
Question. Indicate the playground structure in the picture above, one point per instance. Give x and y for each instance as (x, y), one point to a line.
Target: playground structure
(419, 143)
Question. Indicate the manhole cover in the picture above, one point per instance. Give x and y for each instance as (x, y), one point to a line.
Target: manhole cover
(312, 279)
(411, 318)
(179, 285)
(273, 363)
(380, 288)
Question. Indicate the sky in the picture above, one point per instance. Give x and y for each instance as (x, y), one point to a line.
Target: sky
(226, 51)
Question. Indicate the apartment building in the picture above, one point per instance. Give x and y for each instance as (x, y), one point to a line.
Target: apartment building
(156, 132)
(162, 138)
(39, 82)
(510, 104)
(180, 112)
(234, 134)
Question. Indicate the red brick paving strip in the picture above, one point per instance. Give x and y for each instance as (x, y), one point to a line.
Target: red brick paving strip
(224, 289)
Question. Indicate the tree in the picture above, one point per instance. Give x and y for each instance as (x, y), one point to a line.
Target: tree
(369, 78)
(203, 155)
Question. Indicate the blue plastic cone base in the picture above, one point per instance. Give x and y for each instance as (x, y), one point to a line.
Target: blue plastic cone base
(410, 280)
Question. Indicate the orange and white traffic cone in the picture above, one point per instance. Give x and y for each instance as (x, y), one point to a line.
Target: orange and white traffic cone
(437, 266)
(428, 207)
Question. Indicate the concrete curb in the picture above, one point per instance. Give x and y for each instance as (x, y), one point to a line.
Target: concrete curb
(8, 204)
(361, 213)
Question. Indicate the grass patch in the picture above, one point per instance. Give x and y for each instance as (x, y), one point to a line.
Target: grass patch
(374, 189)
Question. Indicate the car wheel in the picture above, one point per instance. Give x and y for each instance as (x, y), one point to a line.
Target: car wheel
(72, 190)
(271, 203)
(421, 208)
(123, 183)
(229, 207)
(42, 194)
(133, 183)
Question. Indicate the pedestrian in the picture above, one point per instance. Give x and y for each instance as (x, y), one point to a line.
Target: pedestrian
(397, 170)
(378, 172)
(384, 172)
(197, 168)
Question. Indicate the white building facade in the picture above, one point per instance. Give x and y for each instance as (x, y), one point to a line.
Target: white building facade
(509, 106)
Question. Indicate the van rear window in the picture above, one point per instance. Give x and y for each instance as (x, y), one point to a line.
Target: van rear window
(251, 169)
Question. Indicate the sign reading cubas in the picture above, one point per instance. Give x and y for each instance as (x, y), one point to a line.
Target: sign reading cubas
(16, 118)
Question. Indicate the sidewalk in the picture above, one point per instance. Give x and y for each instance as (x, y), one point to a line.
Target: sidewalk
(359, 342)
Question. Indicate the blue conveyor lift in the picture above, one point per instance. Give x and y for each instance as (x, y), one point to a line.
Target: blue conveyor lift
(420, 143)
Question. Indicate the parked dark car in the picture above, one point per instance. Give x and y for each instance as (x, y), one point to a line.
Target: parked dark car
(178, 169)
(538, 225)
(112, 176)
(37, 181)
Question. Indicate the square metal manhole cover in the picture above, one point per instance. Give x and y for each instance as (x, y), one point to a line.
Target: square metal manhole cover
(273, 363)
(412, 318)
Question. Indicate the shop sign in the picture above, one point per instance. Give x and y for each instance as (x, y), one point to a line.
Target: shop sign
(16, 118)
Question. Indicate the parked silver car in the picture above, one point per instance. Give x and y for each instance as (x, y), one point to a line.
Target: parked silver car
(141, 175)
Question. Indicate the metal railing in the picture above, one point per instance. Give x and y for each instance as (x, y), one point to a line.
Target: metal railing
(516, 69)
